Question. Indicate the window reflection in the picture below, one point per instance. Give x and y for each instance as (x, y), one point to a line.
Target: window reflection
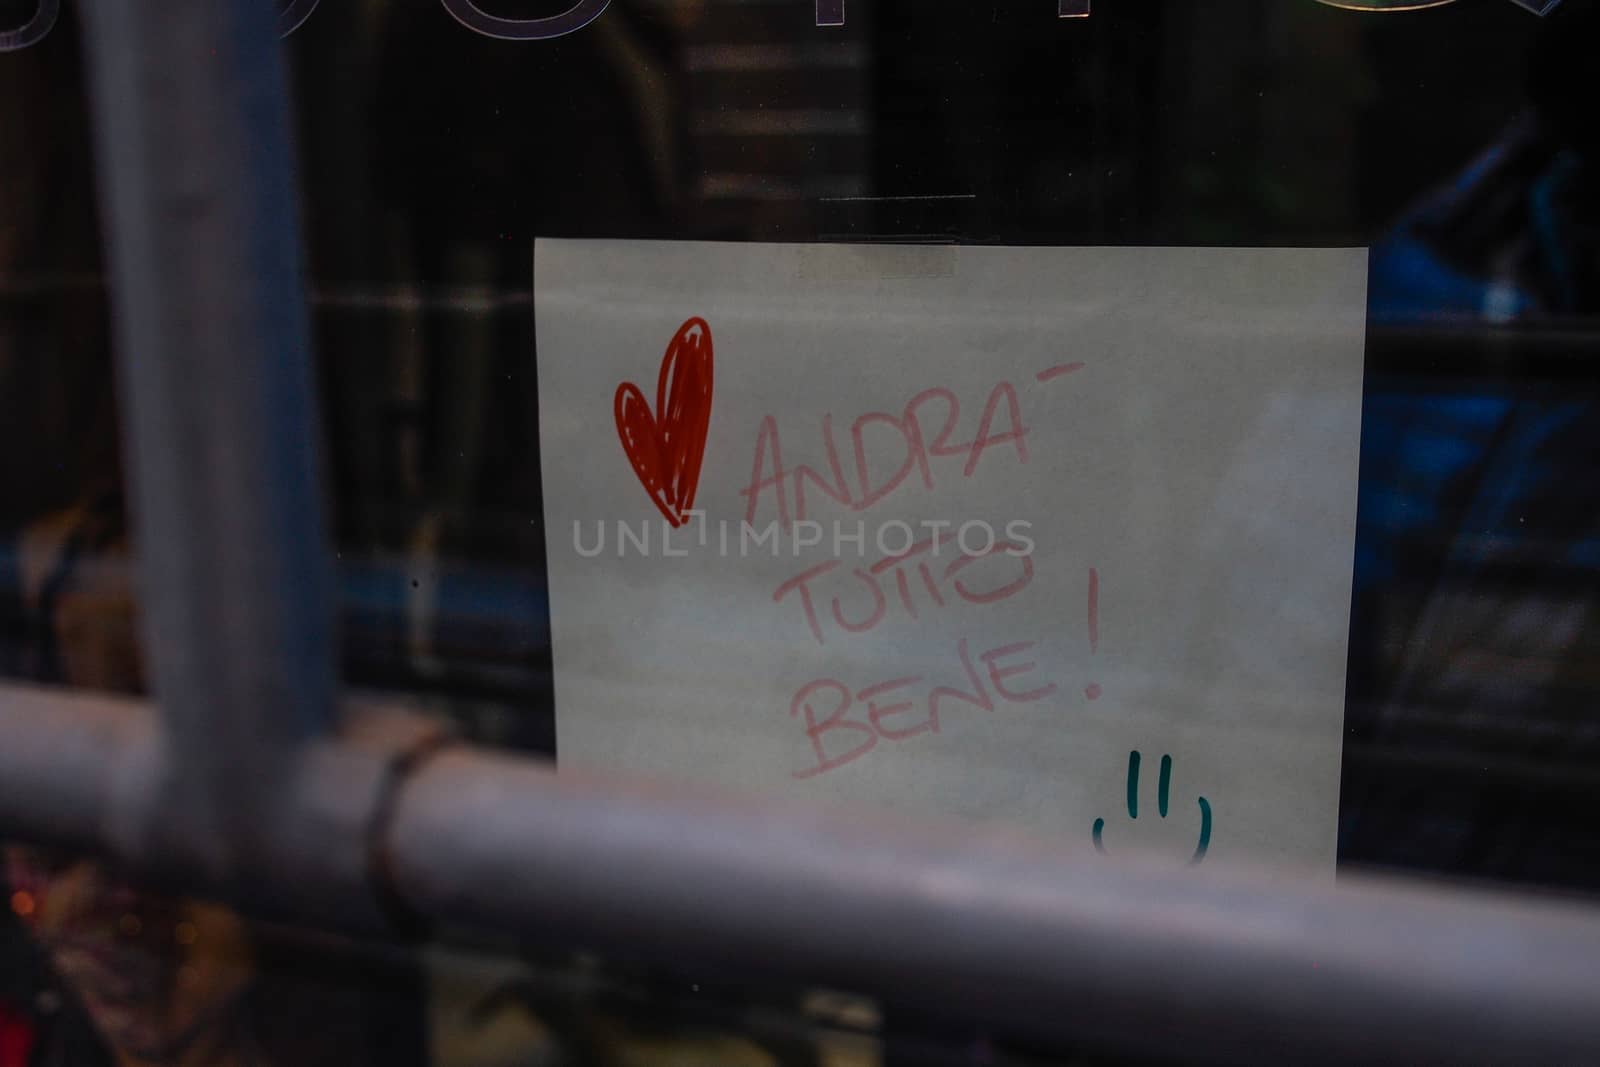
(158, 979)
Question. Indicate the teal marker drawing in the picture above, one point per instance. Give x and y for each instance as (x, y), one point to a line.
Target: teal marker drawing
(1163, 798)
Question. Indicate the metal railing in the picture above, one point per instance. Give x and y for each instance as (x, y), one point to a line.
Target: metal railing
(244, 778)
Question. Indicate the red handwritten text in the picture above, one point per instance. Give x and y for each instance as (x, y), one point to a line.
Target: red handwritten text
(917, 568)
(898, 447)
(844, 725)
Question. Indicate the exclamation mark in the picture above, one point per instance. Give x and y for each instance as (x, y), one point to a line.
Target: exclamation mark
(1092, 690)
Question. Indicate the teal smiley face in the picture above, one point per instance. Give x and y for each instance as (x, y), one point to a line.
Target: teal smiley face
(1163, 794)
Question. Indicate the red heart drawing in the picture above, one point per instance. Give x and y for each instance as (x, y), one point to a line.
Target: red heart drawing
(666, 446)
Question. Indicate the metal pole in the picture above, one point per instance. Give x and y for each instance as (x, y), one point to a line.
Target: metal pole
(970, 926)
(64, 759)
(974, 927)
(84, 772)
(218, 408)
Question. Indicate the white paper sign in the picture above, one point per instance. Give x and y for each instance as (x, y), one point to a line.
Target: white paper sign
(1059, 537)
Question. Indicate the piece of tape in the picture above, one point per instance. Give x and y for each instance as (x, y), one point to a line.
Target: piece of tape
(859, 263)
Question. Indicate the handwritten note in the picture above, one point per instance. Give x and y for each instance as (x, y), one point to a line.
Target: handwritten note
(972, 532)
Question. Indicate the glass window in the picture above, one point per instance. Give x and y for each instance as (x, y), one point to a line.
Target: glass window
(1370, 574)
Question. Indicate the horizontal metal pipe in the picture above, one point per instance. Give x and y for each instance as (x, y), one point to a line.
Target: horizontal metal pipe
(63, 757)
(984, 927)
(976, 926)
(88, 773)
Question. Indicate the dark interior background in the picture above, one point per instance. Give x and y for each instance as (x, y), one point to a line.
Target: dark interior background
(432, 156)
